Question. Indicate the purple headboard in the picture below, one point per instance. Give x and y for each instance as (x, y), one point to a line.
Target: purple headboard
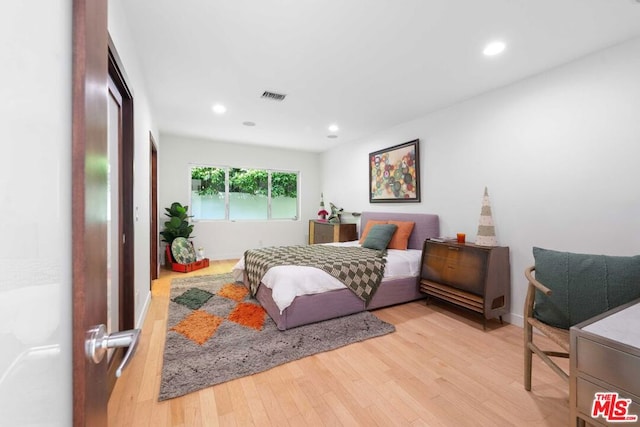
(427, 225)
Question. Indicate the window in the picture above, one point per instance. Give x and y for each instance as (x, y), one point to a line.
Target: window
(243, 194)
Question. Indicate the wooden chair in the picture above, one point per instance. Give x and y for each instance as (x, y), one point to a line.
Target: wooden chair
(557, 335)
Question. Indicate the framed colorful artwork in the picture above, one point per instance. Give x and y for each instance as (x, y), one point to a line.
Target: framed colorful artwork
(394, 174)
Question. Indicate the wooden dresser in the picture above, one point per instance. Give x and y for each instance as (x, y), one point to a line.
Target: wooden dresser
(326, 232)
(474, 277)
(605, 358)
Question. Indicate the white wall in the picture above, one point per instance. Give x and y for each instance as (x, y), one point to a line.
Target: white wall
(143, 124)
(35, 195)
(558, 152)
(225, 239)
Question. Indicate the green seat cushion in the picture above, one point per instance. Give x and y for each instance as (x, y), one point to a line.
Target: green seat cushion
(582, 285)
(379, 236)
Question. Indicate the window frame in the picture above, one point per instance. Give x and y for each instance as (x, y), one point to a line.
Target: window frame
(227, 200)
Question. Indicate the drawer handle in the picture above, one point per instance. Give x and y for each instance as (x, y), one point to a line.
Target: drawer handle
(453, 248)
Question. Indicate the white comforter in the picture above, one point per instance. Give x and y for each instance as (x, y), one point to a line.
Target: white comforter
(289, 281)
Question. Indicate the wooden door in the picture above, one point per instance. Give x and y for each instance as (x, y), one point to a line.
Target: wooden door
(102, 180)
(89, 209)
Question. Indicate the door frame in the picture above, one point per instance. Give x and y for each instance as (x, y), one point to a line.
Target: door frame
(126, 216)
(153, 207)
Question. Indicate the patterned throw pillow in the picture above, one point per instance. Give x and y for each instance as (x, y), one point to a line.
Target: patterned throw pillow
(379, 236)
(582, 285)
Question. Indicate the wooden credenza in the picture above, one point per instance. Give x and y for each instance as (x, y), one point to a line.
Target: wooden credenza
(605, 358)
(474, 277)
(326, 232)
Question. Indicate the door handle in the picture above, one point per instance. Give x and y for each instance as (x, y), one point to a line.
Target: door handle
(98, 341)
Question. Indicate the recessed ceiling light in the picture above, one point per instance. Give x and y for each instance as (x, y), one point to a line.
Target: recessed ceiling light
(494, 48)
(249, 123)
(334, 128)
(219, 109)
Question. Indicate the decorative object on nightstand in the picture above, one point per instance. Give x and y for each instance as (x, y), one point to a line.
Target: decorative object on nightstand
(326, 232)
(334, 217)
(322, 213)
(486, 230)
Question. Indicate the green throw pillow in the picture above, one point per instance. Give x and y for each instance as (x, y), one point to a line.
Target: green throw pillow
(379, 236)
(582, 285)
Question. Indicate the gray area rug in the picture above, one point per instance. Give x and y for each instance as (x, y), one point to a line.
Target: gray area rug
(216, 332)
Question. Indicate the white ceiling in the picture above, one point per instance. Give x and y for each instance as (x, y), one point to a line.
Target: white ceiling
(366, 65)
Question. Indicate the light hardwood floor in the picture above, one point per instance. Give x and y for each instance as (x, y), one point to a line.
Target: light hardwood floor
(438, 369)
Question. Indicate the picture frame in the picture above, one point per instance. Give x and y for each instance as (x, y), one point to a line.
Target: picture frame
(394, 174)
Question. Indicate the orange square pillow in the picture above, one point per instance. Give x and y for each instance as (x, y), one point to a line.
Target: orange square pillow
(367, 227)
(400, 239)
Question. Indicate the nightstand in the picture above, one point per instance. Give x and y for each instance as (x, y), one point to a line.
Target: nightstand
(326, 232)
(470, 276)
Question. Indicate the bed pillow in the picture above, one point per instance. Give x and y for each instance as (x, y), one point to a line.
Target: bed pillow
(367, 227)
(400, 239)
(582, 285)
(379, 236)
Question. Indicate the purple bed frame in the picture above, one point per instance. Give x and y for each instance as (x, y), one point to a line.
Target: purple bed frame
(315, 308)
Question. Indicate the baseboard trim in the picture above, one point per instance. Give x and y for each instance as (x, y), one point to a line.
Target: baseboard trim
(143, 313)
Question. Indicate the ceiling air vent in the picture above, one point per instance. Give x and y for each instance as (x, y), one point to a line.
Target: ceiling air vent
(273, 96)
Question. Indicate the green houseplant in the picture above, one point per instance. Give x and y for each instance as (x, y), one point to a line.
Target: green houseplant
(178, 223)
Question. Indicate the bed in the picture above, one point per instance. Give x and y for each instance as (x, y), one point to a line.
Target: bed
(341, 301)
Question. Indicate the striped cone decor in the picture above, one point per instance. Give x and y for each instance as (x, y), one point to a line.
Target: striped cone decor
(486, 230)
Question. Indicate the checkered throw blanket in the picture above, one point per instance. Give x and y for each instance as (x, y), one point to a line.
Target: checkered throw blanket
(360, 269)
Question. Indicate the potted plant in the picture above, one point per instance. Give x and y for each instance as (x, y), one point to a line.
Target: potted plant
(177, 225)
